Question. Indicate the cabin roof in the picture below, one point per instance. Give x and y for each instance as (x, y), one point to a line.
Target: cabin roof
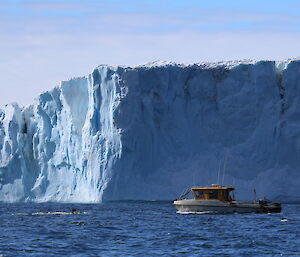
(214, 187)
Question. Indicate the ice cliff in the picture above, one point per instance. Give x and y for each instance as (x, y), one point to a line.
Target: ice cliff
(148, 132)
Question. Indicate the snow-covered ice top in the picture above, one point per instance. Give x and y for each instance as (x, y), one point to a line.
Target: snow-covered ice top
(148, 132)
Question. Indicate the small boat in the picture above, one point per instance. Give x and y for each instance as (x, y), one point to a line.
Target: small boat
(220, 199)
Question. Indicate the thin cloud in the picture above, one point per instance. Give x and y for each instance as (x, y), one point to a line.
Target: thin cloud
(43, 66)
(101, 17)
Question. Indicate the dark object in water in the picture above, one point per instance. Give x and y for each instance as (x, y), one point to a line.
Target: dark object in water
(267, 206)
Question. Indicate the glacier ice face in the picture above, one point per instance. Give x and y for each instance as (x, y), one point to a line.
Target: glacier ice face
(150, 131)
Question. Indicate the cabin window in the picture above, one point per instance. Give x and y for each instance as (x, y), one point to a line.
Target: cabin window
(226, 195)
(199, 194)
(213, 194)
(230, 196)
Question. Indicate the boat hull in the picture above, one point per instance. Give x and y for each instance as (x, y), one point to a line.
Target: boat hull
(214, 206)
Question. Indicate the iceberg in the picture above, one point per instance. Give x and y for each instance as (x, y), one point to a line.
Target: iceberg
(147, 132)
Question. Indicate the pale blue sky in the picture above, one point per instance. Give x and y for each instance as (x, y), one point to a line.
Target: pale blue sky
(44, 42)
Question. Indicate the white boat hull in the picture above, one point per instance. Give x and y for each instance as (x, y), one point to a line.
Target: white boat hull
(215, 206)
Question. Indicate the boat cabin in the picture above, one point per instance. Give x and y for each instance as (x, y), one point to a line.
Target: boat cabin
(214, 192)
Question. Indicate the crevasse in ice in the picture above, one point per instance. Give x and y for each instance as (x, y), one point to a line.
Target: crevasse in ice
(150, 131)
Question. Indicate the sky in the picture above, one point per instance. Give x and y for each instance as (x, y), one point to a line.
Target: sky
(45, 42)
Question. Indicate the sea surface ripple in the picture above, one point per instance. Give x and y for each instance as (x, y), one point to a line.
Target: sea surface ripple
(144, 229)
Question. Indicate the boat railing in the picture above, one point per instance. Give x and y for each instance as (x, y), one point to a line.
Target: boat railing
(184, 193)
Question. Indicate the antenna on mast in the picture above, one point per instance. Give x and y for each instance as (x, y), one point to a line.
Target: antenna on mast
(194, 179)
(254, 195)
(219, 172)
(224, 167)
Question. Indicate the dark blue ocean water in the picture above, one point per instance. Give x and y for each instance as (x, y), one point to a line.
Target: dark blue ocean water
(144, 229)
